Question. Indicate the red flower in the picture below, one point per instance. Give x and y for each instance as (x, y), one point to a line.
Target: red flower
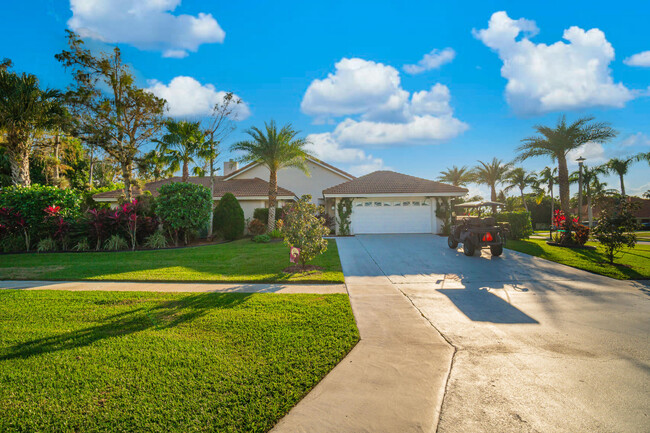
(52, 210)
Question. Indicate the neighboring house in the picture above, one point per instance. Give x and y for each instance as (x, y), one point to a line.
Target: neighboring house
(383, 201)
(642, 213)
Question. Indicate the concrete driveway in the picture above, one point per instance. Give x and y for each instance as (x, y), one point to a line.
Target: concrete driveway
(540, 347)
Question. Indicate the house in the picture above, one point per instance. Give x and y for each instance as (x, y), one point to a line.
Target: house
(382, 201)
(642, 212)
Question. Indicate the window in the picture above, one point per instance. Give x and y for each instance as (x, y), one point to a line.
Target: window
(387, 203)
(367, 203)
(358, 203)
(397, 203)
(416, 203)
(378, 204)
(406, 203)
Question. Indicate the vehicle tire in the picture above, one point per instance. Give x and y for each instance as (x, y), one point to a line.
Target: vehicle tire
(496, 250)
(468, 247)
(452, 242)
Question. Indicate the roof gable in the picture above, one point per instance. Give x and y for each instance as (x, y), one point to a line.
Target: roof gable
(316, 161)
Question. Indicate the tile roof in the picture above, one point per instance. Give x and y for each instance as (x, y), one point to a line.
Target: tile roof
(238, 187)
(390, 182)
(643, 210)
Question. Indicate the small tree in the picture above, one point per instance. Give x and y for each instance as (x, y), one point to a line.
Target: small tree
(304, 230)
(229, 217)
(183, 208)
(616, 225)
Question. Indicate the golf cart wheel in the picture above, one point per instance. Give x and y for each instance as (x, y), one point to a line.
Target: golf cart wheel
(468, 247)
(496, 250)
(452, 242)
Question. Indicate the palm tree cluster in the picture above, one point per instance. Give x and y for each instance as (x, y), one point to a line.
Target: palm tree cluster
(554, 143)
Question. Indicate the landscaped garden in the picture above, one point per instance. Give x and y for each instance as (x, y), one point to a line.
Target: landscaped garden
(239, 261)
(151, 362)
(631, 263)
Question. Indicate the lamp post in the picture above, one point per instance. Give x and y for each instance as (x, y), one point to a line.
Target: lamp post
(580, 161)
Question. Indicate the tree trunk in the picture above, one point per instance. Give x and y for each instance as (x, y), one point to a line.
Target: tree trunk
(211, 195)
(273, 193)
(622, 184)
(186, 171)
(126, 176)
(523, 199)
(563, 179)
(550, 232)
(92, 166)
(590, 211)
(493, 197)
(19, 159)
(57, 164)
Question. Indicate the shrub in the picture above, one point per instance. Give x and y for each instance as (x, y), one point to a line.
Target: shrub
(82, 245)
(116, 243)
(582, 233)
(12, 224)
(229, 217)
(12, 243)
(304, 230)
(262, 214)
(519, 222)
(262, 239)
(156, 240)
(616, 226)
(46, 245)
(256, 227)
(183, 208)
(32, 201)
(330, 221)
(276, 234)
(344, 210)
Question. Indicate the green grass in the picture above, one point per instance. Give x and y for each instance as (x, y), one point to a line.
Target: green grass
(631, 263)
(154, 362)
(240, 261)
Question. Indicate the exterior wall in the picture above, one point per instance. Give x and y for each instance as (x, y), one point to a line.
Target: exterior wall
(295, 180)
(249, 206)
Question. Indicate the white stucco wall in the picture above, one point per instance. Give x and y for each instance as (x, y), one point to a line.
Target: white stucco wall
(295, 180)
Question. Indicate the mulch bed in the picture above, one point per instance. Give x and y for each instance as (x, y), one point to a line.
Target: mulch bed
(573, 247)
(298, 269)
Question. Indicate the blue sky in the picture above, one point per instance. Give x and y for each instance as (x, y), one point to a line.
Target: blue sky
(337, 70)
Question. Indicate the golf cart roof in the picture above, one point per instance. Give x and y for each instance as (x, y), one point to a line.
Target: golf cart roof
(479, 204)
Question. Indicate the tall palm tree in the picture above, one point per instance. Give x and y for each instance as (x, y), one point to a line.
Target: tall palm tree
(556, 142)
(275, 149)
(618, 166)
(154, 166)
(644, 156)
(181, 144)
(521, 179)
(491, 174)
(25, 109)
(456, 176)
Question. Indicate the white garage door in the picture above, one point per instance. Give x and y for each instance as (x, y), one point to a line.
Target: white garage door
(391, 216)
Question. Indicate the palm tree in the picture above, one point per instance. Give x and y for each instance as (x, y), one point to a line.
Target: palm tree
(618, 166)
(154, 166)
(593, 187)
(181, 144)
(275, 149)
(491, 174)
(24, 110)
(644, 156)
(456, 176)
(556, 142)
(520, 178)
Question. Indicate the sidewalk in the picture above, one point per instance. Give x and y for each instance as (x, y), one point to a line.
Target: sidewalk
(173, 287)
(394, 379)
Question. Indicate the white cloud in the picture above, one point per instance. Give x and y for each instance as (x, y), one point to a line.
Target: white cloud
(325, 147)
(639, 59)
(145, 24)
(638, 139)
(379, 110)
(433, 60)
(561, 76)
(594, 153)
(187, 97)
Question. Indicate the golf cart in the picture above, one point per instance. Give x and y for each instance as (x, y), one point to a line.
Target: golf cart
(476, 232)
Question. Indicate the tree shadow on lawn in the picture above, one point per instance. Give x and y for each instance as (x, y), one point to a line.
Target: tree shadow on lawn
(598, 258)
(162, 316)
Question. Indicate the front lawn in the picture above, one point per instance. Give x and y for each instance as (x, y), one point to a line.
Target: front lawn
(632, 263)
(240, 261)
(163, 362)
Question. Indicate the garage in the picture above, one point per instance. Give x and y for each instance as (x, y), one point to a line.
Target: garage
(392, 216)
(386, 202)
